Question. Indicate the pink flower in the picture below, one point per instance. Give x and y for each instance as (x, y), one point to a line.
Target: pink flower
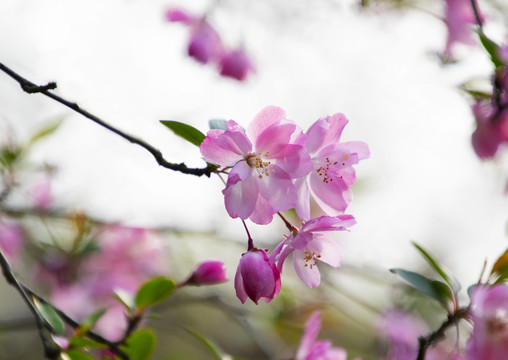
(264, 160)
(489, 312)
(311, 244)
(491, 129)
(11, 240)
(256, 277)
(204, 44)
(41, 193)
(458, 18)
(180, 15)
(207, 273)
(235, 64)
(333, 175)
(310, 349)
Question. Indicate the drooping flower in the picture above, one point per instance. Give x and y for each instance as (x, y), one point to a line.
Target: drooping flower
(205, 44)
(256, 277)
(264, 160)
(459, 17)
(311, 244)
(235, 64)
(491, 129)
(310, 349)
(489, 314)
(207, 273)
(333, 175)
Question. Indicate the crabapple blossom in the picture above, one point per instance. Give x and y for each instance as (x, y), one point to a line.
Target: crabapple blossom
(11, 240)
(333, 175)
(207, 273)
(310, 349)
(235, 64)
(257, 277)
(310, 244)
(459, 17)
(204, 44)
(491, 129)
(264, 160)
(489, 314)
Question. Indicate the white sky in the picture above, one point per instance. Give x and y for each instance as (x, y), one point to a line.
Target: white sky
(121, 61)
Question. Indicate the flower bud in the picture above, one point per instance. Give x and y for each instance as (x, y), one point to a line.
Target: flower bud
(256, 277)
(207, 273)
(235, 64)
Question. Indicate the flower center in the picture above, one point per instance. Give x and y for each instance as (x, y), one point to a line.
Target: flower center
(262, 166)
(326, 165)
(310, 258)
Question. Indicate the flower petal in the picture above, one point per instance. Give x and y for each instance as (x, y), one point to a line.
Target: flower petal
(241, 192)
(213, 153)
(308, 274)
(303, 198)
(328, 249)
(332, 197)
(267, 117)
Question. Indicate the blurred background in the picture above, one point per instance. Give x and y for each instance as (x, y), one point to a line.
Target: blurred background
(379, 65)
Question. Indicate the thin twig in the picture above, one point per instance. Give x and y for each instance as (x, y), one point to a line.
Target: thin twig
(32, 88)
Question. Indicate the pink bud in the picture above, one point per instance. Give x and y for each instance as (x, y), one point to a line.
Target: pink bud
(256, 277)
(179, 15)
(205, 44)
(207, 273)
(235, 64)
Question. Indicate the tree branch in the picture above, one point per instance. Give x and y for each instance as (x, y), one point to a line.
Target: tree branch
(32, 88)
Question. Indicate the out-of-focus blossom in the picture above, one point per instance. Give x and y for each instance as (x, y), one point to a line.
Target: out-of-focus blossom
(207, 273)
(491, 129)
(489, 314)
(205, 44)
(458, 18)
(333, 175)
(235, 64)
(180, 15)
(41, 193)
(310, 349)
(264, 160)
(257, 277)
(311, 244)
(11, 240)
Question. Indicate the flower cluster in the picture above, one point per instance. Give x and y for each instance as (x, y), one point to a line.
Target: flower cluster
(273, 166)
(205, 46)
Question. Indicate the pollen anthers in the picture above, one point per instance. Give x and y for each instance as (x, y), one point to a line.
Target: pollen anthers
(310, 258)
(323, 170)
(262, 166)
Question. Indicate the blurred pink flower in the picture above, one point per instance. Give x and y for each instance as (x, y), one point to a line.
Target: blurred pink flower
(459, 17)
(180, 15)
(310, 244)
(11, 240)
(235, 64)
(256, 277)
(205, 44)
(491, 129)
(41, 193)
(264, 160)
(310, 349)
(489, 314)
(333, 175)
(207, 273)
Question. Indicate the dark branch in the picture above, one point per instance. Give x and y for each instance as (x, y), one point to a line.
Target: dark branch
(31, 88)
(425, 342)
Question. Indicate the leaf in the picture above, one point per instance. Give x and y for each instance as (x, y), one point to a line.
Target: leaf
(217, 354)
(80, 342)
(442, 271)
(89, 321)
(187, 132)
(140, 345)
(47, 130)
(500, 268)
(154, 291)
(124, 298)
(77, 355)
(50, 315)
(432, 288)
(492, 48)
(217, 124)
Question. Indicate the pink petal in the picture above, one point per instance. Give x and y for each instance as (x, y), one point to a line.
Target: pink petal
(271, 139)
(303, 195)
(278, 189)
(263, 212)
(213, 153)
(312, 328)
(337, 123)
(295, 160)
(358, 147)
(332, 197)
(316, 135)
(235, 142)
(268, 116)
(240, 290)
(330, 252)
(241, 192)
(308, 274)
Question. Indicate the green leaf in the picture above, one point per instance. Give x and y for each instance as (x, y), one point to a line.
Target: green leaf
(9, 156)
(432, 288)
(217, 124)
(124, 298)
(140, 345)
(492, 48)
(187, 132)
(214, 350)
(50, 315)
(89, 321)
(47, 130)
(78, 355)
(444, 273)
(154, 291)
(500, 268)
(80, 342)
